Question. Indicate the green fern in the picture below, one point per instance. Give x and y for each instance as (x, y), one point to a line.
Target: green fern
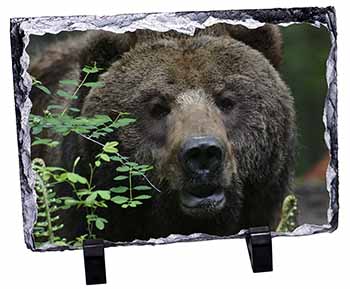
(47, 224)
(289, 212)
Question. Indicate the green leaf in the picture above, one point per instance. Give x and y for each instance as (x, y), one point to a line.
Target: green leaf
(52, 169)
(142, 188)
(99, 224)
(69, 82)
(123, 169)
(94, 84)
(123, 122)
(82, 180)
(72, 177)
(41, 224)
(45, 141)
(81, 193)
(92, 197)
(143, 168)
(87, 69)
(58, 201)
(107, 130)
(120, 178)
(65, 94)
(131, 164)
(143, 197)
(104, 194)
(136, 173)
(43, 88)
(103, 220)
(70, 202)
(124, 206)
(55, 106)
(60, 241)
(115, 158)
(140, 167)
(62, 177)
(37, 129)
(136, 203)
(102, 118)
(97, 163)
(41, 214)
(75, 178)
(111, 150)
(105, 157)
(91, 69)
(119, 200)
(74, 109)
(91, 217)
(110, 147)
(119, 190)
(102, 204)
(58, 227)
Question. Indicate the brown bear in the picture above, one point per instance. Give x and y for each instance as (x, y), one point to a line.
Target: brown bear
(214, 118)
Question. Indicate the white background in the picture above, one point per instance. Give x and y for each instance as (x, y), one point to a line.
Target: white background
(319, 261)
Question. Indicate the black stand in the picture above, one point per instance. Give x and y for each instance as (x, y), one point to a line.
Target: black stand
(94, 260)
(259, 243)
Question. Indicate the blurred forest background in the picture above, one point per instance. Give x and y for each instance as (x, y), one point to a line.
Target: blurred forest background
(305, 50)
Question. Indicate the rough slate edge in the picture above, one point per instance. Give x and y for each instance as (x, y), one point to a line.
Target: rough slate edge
(185, 22)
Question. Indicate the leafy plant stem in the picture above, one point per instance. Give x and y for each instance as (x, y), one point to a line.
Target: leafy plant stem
(91, 211)
(90, 224)
(123, 159)
(84, 195)
(90, 139)
(76, 91)
(92, 171)
(130, 185)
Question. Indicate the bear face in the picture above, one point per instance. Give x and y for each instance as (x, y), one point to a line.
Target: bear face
(213, 117)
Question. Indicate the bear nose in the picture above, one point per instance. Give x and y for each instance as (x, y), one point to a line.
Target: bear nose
(202, 155)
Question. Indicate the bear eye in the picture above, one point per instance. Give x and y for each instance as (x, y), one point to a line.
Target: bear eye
(159, 110)
(225, 104)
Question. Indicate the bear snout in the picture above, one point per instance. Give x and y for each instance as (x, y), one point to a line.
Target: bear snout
(202, 157)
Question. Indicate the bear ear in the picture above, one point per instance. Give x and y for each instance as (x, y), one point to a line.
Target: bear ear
(104, 48)
(267, 39)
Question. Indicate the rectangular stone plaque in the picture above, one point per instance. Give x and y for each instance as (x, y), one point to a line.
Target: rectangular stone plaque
(167, 127)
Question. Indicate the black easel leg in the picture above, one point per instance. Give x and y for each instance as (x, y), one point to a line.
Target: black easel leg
(259, 243)
(94, 260)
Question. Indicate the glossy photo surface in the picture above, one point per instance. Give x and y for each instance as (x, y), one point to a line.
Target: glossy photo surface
(142, 135)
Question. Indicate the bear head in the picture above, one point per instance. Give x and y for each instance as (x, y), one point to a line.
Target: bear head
(214, 118)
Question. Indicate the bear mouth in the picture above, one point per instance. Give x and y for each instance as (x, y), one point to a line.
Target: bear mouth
(203, 200)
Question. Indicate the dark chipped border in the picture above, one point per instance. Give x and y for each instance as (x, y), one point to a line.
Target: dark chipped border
(185, 22)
